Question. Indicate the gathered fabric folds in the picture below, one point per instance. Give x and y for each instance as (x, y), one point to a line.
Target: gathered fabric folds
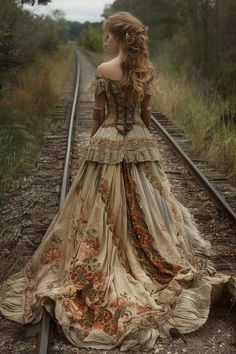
(120, 264)
(122, 261)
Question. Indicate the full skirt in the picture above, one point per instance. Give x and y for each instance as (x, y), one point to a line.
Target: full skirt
(121, 263)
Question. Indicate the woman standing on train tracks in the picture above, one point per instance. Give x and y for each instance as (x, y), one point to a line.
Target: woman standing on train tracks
(122, 263)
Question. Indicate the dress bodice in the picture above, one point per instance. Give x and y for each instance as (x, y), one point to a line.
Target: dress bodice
(120, 113)
(122, 134)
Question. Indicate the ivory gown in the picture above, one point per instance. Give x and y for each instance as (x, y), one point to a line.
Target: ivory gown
(120, 263)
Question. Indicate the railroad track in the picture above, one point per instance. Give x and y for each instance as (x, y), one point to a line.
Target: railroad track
(213, 198)
(215, 182)
(213, 223)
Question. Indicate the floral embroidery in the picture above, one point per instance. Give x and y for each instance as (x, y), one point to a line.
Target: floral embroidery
(104, 189)
(175, 210)
(152, 178)
(89, 248)
(121, 301)
(95, 316)
(51, 255)
(154, 263)
(88, 277)
(142, 309)
(79, 226)
(98, 316)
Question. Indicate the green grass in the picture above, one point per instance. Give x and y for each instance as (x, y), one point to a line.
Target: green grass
(25, 112)
(183, 102)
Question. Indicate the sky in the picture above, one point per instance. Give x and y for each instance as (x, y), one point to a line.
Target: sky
(75, 10)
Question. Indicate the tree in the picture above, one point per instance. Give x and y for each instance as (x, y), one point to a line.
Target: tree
(92, 37)
(32, 2)
(23, 36)
(200, 33)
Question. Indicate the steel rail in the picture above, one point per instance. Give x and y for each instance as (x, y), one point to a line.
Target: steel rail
(43, 343)
(210, 189)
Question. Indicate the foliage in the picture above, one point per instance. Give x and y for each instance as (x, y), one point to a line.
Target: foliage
(23, 37)
(91, 38)
(30, 52)
(25, 113)
(200, 117)
(75, 29)
(32, 2)
(16, 150)
(202, 33)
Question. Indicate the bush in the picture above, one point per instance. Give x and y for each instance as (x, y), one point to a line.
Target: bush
(92, 39)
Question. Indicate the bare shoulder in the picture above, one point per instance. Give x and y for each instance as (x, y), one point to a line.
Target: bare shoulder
(103, 68)
(109, 69)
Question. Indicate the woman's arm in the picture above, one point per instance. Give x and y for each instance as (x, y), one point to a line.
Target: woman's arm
(146, 110)
(98, 112)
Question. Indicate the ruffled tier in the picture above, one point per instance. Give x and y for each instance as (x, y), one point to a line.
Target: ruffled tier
(116, 156)
(121, 263)
(108, 146)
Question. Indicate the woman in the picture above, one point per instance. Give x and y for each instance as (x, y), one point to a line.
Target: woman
(121, 263)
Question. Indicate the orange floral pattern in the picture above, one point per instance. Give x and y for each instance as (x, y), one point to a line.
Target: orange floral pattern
(51, 255)
(104, 189)
(152, 178)
(89, 248)
(89, 307)
(175, 210)
(157, 267)
(98, 314)
(143, 309)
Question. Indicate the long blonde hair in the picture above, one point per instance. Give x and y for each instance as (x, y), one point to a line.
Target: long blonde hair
(131, 34)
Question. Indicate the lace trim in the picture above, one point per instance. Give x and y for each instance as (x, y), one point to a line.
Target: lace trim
(99, 85)
(127, 143)
(101, 155)
(105, 150)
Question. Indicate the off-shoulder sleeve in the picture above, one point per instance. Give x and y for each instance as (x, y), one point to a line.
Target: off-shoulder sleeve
(149, 87)
(99, 85)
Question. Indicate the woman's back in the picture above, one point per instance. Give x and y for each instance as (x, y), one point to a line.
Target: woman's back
(110, 69)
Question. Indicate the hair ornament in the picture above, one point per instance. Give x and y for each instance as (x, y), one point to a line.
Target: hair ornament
(130, 38)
